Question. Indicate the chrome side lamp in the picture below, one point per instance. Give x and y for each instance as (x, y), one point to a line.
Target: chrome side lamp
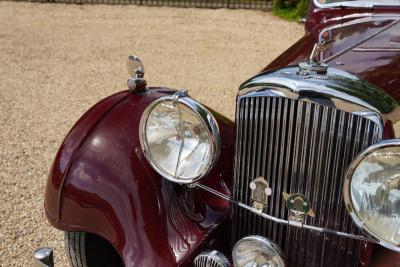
(44, 257)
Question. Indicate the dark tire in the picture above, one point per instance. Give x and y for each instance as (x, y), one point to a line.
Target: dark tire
(89, 250)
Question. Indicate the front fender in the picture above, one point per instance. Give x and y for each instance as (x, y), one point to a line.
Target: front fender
(108, 188)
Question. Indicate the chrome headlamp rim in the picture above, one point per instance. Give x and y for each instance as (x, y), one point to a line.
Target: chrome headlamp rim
(202, 113)
(347, 194)
(264, 240)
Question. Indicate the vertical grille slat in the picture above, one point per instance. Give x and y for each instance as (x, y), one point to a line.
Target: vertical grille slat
(299, 147)
(259, 154)
(283, 182)
(254, 149)
(270, 142)
(278, 146)
(310, 182)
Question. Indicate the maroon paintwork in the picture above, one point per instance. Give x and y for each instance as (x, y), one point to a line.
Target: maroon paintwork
(101, 183)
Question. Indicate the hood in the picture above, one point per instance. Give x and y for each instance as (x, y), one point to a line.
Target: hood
(377, 59)
(375, 49)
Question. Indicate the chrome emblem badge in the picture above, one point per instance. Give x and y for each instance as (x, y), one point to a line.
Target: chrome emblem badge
(260, 191)
(298, 206)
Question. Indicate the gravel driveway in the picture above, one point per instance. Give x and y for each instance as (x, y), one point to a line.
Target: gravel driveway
(57, 60)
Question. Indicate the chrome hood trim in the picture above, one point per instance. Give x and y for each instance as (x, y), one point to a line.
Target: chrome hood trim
(361, 4)
(337, 89)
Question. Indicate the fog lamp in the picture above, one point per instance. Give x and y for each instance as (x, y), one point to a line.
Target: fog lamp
(179, 137)
(372, 192)
(257, 251)
(212, 258)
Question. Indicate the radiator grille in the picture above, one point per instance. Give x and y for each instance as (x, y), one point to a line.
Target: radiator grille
(299, 147)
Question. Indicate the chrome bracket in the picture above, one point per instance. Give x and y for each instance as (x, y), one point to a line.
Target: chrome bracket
(180, 93)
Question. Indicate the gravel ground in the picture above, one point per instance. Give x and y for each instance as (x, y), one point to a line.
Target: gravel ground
(57, 60)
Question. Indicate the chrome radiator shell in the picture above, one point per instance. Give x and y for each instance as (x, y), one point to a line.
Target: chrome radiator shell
(299, 146)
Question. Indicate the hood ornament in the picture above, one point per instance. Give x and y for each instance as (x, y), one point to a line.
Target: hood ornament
(318, 48)
(314, 63)
(136, 71)
(260, 191)
(299, 206)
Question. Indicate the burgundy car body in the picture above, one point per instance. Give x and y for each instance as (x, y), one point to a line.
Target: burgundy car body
(101, 183)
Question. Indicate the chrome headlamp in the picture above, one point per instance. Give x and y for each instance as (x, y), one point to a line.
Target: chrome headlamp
(372, 192)
(257, 251)
(179, 137)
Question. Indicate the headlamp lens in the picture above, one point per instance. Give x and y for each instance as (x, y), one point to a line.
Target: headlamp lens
(257, 251)
(177, 139)
(374, 194)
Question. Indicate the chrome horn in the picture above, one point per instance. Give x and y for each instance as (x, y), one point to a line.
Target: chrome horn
(44, 257)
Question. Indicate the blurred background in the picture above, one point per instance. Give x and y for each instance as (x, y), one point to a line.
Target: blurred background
(57, 60)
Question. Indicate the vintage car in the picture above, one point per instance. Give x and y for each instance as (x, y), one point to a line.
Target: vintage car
(307, 175)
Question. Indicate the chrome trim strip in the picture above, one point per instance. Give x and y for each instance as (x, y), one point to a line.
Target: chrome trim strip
(376, 49)
(352, 4)
(346, 190)
(203, 114)
(278, 220)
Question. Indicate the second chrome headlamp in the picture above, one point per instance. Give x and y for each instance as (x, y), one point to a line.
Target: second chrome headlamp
(372, 192)
(180, 138)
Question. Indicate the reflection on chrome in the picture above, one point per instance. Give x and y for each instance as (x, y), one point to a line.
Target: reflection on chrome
(371, 192)
(178, 140)
(375, 193)
(279, 220)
